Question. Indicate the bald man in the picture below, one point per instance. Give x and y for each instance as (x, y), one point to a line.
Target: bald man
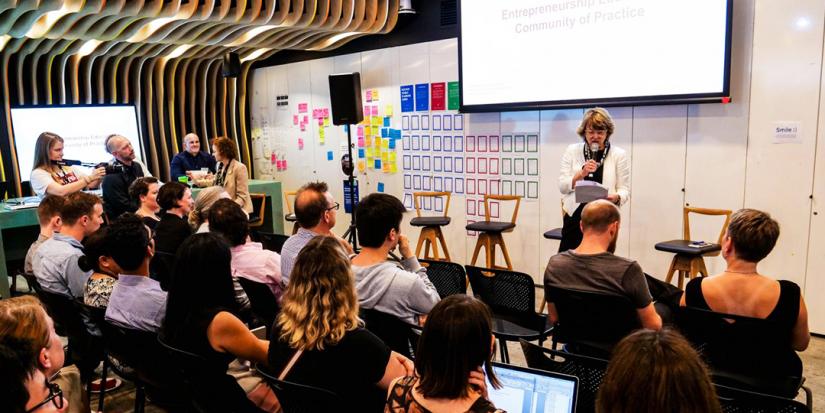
(316, 211)
(191, 159)
(593, 267)
(115, 186)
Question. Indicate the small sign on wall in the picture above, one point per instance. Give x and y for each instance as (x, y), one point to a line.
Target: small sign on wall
(787, 132)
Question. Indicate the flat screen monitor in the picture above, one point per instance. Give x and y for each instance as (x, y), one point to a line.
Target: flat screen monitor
(535, 391)
(83, 129)
(534, 54)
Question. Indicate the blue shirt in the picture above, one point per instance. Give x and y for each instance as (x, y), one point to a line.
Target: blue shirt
(185, 161)
(137, 302)
(289, 252)
(56, 269)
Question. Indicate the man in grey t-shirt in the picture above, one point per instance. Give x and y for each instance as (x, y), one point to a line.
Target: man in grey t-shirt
(593, 267)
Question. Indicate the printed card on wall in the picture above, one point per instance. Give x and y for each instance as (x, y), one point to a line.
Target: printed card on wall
(438, 93)
(407, 103)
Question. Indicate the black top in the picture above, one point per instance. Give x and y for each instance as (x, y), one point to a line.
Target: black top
(170, 232)
(192, 337)
(350, 369)
(116, 190)
(785, 313)
(150, 222)
(401, 398)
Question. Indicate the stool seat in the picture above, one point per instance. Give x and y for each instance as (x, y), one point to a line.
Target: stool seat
(554, 233)
(430, 221)
(290, 217)
(680, 246)
(490, 226)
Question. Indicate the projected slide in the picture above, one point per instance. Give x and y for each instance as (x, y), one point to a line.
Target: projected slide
(562, 51)
(83, 128)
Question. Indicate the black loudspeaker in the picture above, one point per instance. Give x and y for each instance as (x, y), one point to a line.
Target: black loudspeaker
(231, 65)
(345, 96)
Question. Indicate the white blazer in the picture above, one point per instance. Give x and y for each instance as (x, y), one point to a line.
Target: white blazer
(616, 176)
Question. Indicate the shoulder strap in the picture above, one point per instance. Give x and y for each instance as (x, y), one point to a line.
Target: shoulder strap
(291, 363)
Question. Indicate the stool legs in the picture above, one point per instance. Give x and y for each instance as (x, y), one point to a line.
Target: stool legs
(489, 242)
(687, 267)
(430, 237)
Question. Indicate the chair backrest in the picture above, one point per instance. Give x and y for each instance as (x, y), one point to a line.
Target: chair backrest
(289, 205)
(258, 209)
(417, 195)
(510, 295)
(735, 400)
(141, 351)
(272, 242)
(210, 388)
(300, 398)
(264, 303)
(595, 320)
(589, 370)
(488, 197)
(686, 211)
(395, 333)
(448, 277)
(64, 313)
(161, 267)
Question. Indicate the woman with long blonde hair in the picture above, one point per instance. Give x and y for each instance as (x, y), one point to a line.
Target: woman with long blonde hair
(50, 175)
(318, 327)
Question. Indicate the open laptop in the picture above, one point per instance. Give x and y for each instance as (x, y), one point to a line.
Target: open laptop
(533, 391)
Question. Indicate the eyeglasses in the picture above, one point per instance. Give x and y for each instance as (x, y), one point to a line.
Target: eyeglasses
(596, 132)
(335, 207)
(55, 396)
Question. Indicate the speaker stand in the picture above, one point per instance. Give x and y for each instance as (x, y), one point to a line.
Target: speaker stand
(352, 232)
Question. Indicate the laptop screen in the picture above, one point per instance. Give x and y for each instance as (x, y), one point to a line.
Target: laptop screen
(533, 391)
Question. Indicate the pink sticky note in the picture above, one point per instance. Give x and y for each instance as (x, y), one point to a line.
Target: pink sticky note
(300, 143)
(274, 158)
(320, 121)
(306, 119)
(326, 112)
(302, 108)
(369, 95)
(360, 141)
(294, 119)
(360, 132)
(303, 127)
(284, 164)
(373, 110)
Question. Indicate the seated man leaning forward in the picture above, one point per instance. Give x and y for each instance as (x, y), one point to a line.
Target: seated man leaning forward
(400, 290)
(593, 267)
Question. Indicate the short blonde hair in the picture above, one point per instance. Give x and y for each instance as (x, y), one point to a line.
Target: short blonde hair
(203, 202)
(597, 119)
(320, 305)
(24, 318)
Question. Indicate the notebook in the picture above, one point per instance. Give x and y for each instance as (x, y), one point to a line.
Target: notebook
(533, 391)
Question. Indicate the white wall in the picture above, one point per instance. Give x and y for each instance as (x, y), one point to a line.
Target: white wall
(710, 155)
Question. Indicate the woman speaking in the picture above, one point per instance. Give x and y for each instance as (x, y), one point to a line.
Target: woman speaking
(592, 160)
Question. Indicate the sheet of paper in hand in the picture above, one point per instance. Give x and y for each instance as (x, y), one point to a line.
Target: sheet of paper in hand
(588, 191)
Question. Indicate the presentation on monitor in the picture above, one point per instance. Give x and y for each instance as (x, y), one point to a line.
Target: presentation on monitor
(528, 54)
(83, 129)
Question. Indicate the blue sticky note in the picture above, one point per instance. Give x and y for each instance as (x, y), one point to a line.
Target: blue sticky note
(392, 143)
(407, 98)
(386, 121)
(330, 156)
(361, 153)
(395, 133)
(377, 164)
(385, 133)
(380, 187)
(346, 128)
(422, 97)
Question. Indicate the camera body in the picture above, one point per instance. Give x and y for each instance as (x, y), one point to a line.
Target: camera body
(115, 168)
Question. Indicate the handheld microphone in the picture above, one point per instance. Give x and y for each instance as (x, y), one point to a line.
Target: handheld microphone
(594, 147)
(71, 162)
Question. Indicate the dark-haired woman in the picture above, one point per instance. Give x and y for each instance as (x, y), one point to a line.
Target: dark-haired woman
(144, 194)
(104, 269)
(201, 315)
(454, 353)
(176, 201)
(51, 176)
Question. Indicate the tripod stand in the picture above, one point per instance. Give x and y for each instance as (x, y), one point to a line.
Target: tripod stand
(348, 167)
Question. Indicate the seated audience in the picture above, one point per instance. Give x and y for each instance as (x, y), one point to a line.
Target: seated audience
(48, 216)
(55, 262)
(176, 201)
(593, 267)
(319, 325)
(741, 290)
(249, 259)
(454, 353)
(115, 186)
(137, 301)
(315, 209)
(98, 259)
(400, 290)
(199, 217)
(191, 158)
(144, 193)
(232, 174)
(203, 319)
(23, 387)
(662, 363)
(23, 320)
(50, 175)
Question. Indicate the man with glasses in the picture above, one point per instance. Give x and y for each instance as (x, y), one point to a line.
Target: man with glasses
(23, 386)
(316, 211)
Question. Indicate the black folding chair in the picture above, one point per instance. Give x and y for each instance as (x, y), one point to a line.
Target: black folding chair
(264, 304)
(210, 389)
(68, 323)
(161, 267)
(589, 370)
(398, 335)
(272, 242)
(591, 323)
(735, 400)
(300, 398)
(512, 298)
(94, 319)
(448, 277)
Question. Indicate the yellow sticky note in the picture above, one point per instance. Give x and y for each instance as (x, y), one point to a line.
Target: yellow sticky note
(361, 166)
(385, 157)
(393, 157)
(321, 140)
(393, 167)
(368, 140)
(388, 110)
(375, 94)
(370, 162)
(385, 168)
(321, 133)
(370, 152)
(375, 131)
(385, 143)
(326, 121)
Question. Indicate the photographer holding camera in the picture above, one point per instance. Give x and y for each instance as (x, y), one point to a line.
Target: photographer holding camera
(120, 173)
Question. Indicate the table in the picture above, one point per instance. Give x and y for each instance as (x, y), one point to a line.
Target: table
(19, 228)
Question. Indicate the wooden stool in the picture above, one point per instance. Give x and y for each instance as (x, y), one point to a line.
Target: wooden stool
(290, 216)
(689, 261)
(431, 232)
(489, 232)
